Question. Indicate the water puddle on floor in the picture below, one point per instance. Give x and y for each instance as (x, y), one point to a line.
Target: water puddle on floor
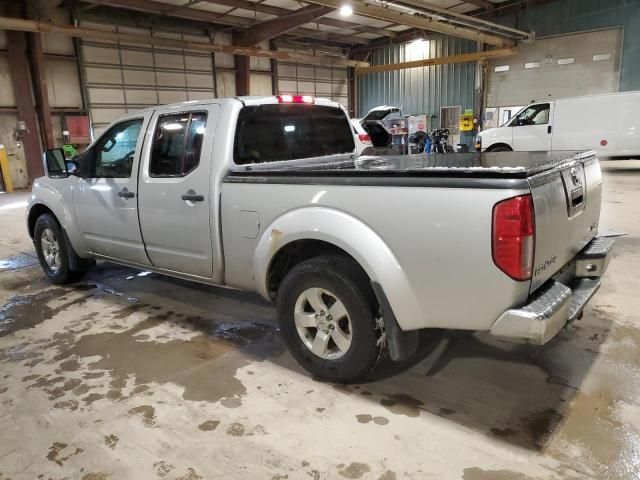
(17, 261)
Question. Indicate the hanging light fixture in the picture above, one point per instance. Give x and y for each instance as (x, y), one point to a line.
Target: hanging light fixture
(346, 10)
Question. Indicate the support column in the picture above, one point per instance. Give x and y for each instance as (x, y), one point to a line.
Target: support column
(274, 70)
(243, 69)
(243, 75)
(480, 87)
(21, 81)
(352, 92)
(40, 88)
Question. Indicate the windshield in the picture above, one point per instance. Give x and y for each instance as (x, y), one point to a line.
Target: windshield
(532, 115)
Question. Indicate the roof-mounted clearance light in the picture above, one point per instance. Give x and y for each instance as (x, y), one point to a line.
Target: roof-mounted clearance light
(296, 99)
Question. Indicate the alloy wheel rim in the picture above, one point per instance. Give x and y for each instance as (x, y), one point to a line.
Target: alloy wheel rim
(50, 250)
(323, 323)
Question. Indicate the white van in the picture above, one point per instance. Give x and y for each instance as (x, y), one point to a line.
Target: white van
(608, 123)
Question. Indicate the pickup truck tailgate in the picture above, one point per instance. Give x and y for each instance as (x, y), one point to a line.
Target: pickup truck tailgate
(566, 202)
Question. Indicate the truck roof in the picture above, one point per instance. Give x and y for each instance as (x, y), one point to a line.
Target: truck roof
(612, 94)
(247, 100)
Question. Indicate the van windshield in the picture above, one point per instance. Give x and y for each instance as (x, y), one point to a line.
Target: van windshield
(272, 133)
(532, 115)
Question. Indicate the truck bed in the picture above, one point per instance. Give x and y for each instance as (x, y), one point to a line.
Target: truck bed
(498, 165)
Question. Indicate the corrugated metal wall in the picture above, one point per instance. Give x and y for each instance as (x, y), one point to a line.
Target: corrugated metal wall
(566, 16)
(419, 90)
(424, 90)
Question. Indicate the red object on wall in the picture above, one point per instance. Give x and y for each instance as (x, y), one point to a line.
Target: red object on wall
(78, 127)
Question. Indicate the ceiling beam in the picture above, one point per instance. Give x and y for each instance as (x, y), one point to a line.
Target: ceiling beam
(159, 8)
(279, 11)
(481, 3)
(465, 20)
(18, 24)
(463, 58)
(381, 13)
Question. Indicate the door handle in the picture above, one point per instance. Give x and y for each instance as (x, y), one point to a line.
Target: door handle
(193, 197)
(549, 129)
(124, 193)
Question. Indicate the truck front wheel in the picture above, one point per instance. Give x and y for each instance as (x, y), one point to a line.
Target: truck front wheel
(53, 252)
(327, 315)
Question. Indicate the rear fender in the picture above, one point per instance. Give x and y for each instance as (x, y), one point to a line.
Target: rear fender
(349, 234)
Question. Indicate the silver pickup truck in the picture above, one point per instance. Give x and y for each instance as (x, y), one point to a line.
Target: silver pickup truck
(264, 194)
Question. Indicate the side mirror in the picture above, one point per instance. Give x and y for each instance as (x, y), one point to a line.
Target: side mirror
(55, 163)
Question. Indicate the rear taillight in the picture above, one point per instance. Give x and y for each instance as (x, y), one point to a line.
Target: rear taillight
(364, 138)
(296, 99)
(514, 236)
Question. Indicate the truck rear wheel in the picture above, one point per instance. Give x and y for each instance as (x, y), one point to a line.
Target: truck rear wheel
(53, 252)
(327, 315)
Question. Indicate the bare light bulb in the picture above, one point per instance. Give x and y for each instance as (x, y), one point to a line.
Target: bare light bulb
(346, 10)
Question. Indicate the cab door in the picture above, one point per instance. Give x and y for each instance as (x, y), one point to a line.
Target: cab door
(105, 196)
(175, 190)
(532, 128)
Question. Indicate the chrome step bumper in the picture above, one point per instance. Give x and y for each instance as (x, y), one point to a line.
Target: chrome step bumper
(557, 303)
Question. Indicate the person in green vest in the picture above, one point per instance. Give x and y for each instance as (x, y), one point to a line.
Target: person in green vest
(69, 151)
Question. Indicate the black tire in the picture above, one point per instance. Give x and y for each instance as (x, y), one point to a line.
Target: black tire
(500, 148)
(62, 273)
(347, 282)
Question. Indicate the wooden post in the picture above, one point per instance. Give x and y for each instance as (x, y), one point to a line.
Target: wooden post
(40, 88)
(21, 81)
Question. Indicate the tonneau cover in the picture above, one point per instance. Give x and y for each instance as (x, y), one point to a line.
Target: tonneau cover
(480, 164)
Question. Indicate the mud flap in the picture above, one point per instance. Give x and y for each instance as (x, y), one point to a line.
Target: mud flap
(76, 264)
(401, 344)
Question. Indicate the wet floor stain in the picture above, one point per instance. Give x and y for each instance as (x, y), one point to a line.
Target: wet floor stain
(365, 418)
(540, 425)
(200, 364)
(191, 474)
(111, 441)
(476, 473)
(17, 261)
(163, 469)
(27, 311)
(402, 404)
(388, 475)
(236, 429)
(71, 405)
(95, 476)
(353, 470)
(60, 452)
(231, 402)
(209, 425)
(148, 414)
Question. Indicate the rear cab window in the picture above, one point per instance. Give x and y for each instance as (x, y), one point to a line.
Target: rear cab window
(176, 144)
(273, 133)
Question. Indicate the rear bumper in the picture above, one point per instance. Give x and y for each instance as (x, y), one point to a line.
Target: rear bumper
(560, 300)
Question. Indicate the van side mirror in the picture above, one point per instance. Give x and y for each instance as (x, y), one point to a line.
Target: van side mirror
(55, 163)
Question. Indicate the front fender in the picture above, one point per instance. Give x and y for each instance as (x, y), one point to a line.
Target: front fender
(498, 135)
(59, 201)
(351, 235)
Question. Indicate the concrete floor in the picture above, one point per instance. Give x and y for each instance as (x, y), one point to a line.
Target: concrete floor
(128, 375)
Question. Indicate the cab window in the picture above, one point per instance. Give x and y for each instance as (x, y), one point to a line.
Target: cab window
(115, 151)
(533, 115)
(272, 133)
(177, 143)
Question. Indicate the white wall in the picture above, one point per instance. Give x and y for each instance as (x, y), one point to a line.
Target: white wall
(556, 77)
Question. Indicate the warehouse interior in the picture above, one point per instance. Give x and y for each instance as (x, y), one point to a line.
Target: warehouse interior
(134, 374)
